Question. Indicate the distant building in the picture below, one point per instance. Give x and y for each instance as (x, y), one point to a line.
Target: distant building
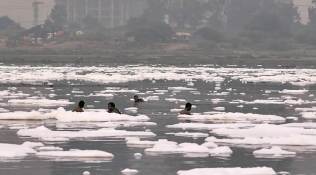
(110, 13)
(303, 7)
(21, 11)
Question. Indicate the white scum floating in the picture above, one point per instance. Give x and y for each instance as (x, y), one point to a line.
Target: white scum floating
(123, 74)
(229, 171)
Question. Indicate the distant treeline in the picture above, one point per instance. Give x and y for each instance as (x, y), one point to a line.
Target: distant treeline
(212, 24)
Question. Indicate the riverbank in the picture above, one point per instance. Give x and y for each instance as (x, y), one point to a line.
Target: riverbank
(162, 54)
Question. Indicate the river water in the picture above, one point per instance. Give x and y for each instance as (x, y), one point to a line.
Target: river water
(75, 83)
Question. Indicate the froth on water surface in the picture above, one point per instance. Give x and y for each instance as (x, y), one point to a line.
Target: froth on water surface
(240, 118)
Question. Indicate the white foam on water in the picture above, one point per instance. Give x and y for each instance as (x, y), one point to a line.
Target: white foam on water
(162, 147)
(295, 140)
(204, 126)
(76, 155)
(278, 101)
(181, 89)
(128, 73)
(175, 100)
(264, 130)
(309, 115)
(128, 171)
(89, 116)
(152, 98)
(217, 100)
(294, 92)
(125, 124)
(49, 148)
(107, 96)
(68, 116)
(77, 92)
(118, 91)
(132, 110)
(189, 134)
(54, 139)
(2, 110)
(221, 151)
(161, 91)
(219, 108)
(14, 151)
(138, 156)
(167, 147)
(176, 110)
(266, 135)
(86, 173)
(273, 152)
(210, 145)
(292, 118)
(39, 102)
(190, 83)
(312, 109)
(233, 118)
(8, 94)
(43, 132)
(33, 144)
(135, 142)
(18, 115)
(195, 92)
(308, 125)
(228, 171)
(219, 93)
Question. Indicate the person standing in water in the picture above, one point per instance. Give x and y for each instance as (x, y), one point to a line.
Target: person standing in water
(187, 109)
(112, 108)
(80, 107)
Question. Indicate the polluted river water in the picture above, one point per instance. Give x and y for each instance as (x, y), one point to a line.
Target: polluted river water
(245, 119)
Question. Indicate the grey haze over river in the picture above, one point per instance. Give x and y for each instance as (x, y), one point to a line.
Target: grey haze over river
(227, 89)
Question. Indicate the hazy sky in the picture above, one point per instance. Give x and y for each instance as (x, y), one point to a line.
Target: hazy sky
(21, 10)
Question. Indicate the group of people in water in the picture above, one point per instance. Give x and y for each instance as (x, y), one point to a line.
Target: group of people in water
(112, 107)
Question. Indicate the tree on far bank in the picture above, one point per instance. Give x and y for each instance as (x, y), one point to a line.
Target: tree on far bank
(150, 27)
(306, 34)
(8, 27)
(239, 13)
(274, 19)
(155, 11)
(145, 31)
(58, 17)
(272, 26)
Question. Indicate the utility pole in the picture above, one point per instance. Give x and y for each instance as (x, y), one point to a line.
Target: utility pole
(36, 8)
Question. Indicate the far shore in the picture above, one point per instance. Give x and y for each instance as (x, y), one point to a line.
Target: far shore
(164, 54)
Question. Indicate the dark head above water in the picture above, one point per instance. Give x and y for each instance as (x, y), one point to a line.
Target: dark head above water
(111, 105)
(137, 99)
(112, 108)
(188, 106)
(187, 109)
(81, 104)
(80, 107)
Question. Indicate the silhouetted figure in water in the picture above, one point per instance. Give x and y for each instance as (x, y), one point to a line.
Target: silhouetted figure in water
(80, 107)
(137, 99)
(187, 109)
(112, 108)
